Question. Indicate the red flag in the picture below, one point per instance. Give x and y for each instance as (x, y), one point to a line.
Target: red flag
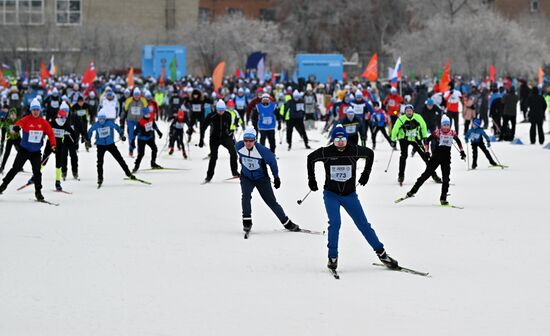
(3, 81)
(492, 72)
(445, 77)
(217, 75)
(161, 78)
(89, 75)
(272, 76)
(344, 75)
(237, 72)
(44, 74)
(130, 78)
(371, 71)
(541, 76)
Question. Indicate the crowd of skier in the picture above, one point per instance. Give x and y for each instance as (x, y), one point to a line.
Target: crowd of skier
(244, 115)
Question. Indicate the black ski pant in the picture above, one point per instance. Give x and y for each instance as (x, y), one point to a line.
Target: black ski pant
(101, 149)
(481, 145)
(60, 160)
(381, 129)
(270, 136)
(70, 148)
(176, 136)
(2, 139)
(9, 144)
(536, 126)
(442, 159)
(454, 120)
(299, 125)
(228, 143)
(509, 123)
(141, 151)
(266, 192)
(22, 156)
(404, 146)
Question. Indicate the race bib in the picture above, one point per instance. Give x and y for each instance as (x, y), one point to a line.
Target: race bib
(358, 109)
(54, 104)
(81, 113)
(309, 99)
(35, 136)
(148, 126)
(445, 140)
(391, 102)
(104, 132)
(176, 101)
(179, 125)
(58, 132)
(240, 105)
(300, 107)
(351, 129)
(476, 136)
(135, 110)
(341, 173)
(91, 103)
(250, 164)
(15, 96)
(410, 133)
(267, 120)
(196, 107)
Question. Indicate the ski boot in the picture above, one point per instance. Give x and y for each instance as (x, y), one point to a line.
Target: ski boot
(247, 224)
(75, 175)
(291, 226)
(136, 168)
(410, 194)
(171, 151)
(58, 186)
(99, 182)
(388, 261)
(474, 166)
(132, 177)
(289, 147)
(332, 263)
(444, 201)
(38, 195)
(2, 188)
(437, 179)
(154, 165)
(400, 180)
(308, 146)
(131, 154)
(64, 176)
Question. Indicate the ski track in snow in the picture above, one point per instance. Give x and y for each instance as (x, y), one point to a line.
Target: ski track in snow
(170, 258)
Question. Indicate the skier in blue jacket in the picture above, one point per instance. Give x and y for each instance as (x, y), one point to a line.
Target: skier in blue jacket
(105, 142)
(476, 135)
(254, 159)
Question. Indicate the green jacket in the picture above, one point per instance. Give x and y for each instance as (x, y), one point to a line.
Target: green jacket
(412, 129)
(235, 119)
(7, 124)
(547, 98)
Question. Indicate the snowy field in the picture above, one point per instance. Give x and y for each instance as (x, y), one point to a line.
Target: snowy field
(170, 258)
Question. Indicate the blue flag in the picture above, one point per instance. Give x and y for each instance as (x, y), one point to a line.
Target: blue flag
(254, 59)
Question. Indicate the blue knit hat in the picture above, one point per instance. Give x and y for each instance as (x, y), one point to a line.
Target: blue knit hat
(477, 122)
(338, 131)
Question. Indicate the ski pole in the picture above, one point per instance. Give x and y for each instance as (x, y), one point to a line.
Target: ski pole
(468, 155)
(454, 145)
(303, 199)
(391, 155)
(496, 158)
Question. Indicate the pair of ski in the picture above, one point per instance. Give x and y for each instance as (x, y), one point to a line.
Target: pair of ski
(227, 179)
(313, 232)
(164, 168)
(401, 199)
(129, 179)
(398, 269)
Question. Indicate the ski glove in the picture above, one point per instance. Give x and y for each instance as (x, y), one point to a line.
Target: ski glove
(462, 155)
(313, 184)
(364, 177)
(123, 138)
(16, 128)
(488, 143)
(279, 126)
(277, 182)
(160, 135)
(393, 144)
(428, 155)
(201, 143)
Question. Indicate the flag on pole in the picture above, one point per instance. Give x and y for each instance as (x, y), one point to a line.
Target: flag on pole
(130, 77)
(541, 76)
(52, 69)
(253, 59)
(162, 74)
(217, 75)
(173, 68)
(44, 74)
(89, 75)
(396, 75)
(371, 71)
(492, 72)
(445, 77)
(261, 70)
(237, 73)
(3, 82)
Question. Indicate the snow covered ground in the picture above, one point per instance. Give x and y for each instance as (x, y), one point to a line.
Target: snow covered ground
(170, 259)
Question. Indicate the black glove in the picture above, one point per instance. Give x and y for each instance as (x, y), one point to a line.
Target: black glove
(16, 128)
(88, 144)
(462, 155)
(364, 177)
(428, 155)
(160, 135)
(201, 143)
(393, 144)
(123, 138)
(277, 182)
(313, 184)
(279, 126)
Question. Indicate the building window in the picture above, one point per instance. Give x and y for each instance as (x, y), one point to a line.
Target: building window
(204, 15)
(22, 12)
(234, 11)
(534, 6)
(267, 14)
(68, 12)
